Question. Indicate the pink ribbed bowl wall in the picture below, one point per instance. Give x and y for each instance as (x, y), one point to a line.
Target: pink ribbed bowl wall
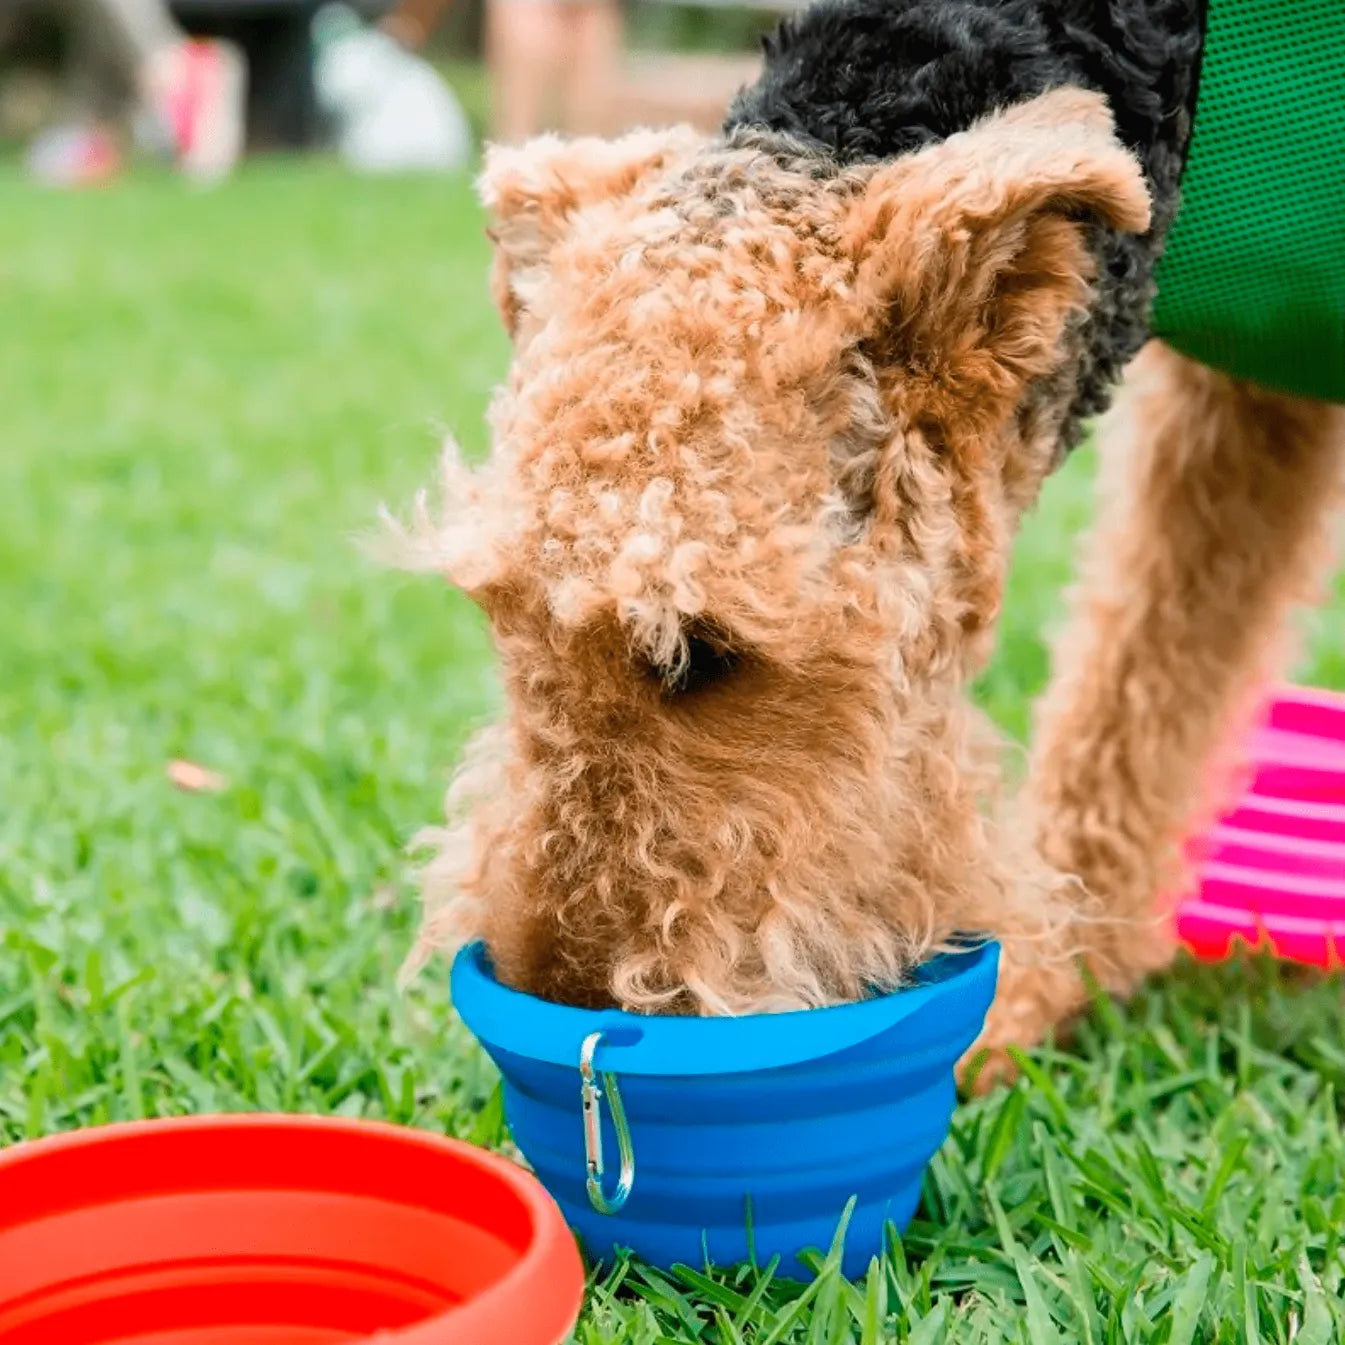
(1272, 873)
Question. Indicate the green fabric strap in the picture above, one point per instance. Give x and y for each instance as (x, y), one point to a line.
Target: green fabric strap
(1253, 279)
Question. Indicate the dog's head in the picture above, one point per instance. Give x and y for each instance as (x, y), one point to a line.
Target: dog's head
(742, 537)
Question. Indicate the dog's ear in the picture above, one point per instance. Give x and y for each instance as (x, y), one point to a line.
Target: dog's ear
(972, 254)
(532, 191)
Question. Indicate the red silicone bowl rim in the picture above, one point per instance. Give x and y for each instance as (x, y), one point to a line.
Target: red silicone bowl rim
(543, 1292)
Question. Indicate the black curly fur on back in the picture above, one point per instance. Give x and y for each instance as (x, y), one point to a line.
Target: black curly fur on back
(865, 80)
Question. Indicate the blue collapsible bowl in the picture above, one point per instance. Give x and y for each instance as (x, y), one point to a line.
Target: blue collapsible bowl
(768, 1123)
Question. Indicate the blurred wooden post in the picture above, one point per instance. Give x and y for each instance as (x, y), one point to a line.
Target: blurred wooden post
(659, 89)
(663, 90)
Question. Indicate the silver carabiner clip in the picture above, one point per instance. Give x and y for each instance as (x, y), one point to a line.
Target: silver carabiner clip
(591, 1094)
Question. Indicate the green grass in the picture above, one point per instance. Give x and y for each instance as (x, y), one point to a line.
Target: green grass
(202, 399)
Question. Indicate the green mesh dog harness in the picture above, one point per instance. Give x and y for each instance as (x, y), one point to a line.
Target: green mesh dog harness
(1253, 278)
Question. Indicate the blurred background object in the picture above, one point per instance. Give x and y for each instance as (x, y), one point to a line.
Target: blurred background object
(552, 64)
(132, 60)
(390, 84)
(391, 112)
(598, 66)
(685, 59)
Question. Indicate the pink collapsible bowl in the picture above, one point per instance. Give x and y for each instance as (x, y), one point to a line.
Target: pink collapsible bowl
(1272, 873)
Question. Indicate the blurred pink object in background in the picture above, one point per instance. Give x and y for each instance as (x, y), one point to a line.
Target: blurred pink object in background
(74, 156)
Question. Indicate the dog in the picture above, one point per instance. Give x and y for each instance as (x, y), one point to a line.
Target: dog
(779, 400)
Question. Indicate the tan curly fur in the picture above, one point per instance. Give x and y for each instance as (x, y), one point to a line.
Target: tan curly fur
(1216, 504)
(763, 447)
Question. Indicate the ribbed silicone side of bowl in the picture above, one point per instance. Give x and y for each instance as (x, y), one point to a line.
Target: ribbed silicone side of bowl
(1289, 818)
(778, 1151)
(1309, 714)
(1272, 874)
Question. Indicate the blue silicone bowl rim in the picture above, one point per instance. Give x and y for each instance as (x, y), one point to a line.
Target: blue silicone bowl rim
(958, 985)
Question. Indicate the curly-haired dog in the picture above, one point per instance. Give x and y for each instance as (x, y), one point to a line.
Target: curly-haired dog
(778, 401)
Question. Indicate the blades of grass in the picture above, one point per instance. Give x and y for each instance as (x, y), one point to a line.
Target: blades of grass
(1136, 1322)
(949, 1190)
(823, 1285)
(855, 1296)
(15, 1005)
(1245, 1296)
(407, 1109)
(202, 1092)
(752, 1306)
(93, 981)
(1243, 1045)
(270, 1029)
(1147, 1166)
(1059, 1193)
(972, 1072)
(488, 1125)
(1144, 1100)
(828, 1315)
(1003, 1133)
(932, 1329)
(986, 1279)
(1317, 1328)
(722, 1295)
(896, 1268)
(792, 1313)
(35, 1100)
(1201, 1229)
(728, 1333)
(1109, 1187)
(1228, 1165)
(1001, 1222)
(145, 976)
(328, 1048)
(128, 1061)
(1085, 1306)
(328, 830)
(874, 1320)
(1104, 1006)
(1190, 1300)
(1044, 1086)
(1066, 1237)
(1040, 1326)
(1162, 1037)
(609, 1286)
(661, 1293)
(1120, 1318)
(71, 1110)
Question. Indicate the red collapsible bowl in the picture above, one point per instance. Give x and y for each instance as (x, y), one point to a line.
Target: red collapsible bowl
(277, 1230)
